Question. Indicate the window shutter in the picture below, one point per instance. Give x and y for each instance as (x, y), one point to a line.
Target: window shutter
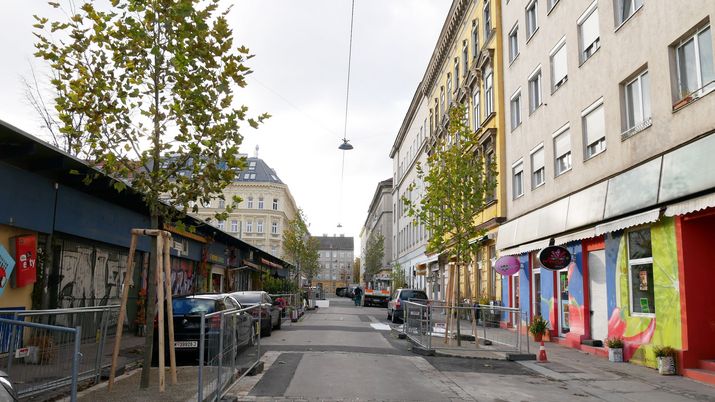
(559, 64)
(537, 160)
(562, 144)
(589, 29)
(595, 125)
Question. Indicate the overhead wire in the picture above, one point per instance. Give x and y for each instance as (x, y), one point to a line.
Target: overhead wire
(347, 101)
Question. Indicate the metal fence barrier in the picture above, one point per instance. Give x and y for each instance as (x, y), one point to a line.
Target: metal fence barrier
(229, 348)
(485, 327)
(47, 349)
(291, 304)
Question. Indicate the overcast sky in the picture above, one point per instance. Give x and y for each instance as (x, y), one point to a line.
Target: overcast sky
(300, 71)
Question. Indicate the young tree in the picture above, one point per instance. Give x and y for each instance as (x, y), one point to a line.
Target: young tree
(356, 270)
(397, 277)
(295, 242)
(311, 263)
(374, 253)
(456, 184)
(145, 91)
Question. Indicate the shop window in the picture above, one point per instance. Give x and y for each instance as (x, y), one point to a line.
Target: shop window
(640, 272)
(536, 283)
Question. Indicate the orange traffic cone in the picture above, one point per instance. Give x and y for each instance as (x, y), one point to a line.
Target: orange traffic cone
(542, 353)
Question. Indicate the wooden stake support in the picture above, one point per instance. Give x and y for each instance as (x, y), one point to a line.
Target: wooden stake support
(163, 291)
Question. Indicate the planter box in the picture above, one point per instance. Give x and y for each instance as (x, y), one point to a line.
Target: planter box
(666, 365)
(615, 355)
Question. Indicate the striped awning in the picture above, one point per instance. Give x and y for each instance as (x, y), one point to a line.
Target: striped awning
(691, 205)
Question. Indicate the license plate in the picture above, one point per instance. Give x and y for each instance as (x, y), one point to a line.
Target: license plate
(186, 344)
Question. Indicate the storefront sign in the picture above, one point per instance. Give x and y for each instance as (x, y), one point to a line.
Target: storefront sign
(507, 265)
(6, 266)
(25, 251)
(555, 258)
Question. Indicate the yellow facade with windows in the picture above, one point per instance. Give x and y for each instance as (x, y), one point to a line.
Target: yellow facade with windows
(466, 68)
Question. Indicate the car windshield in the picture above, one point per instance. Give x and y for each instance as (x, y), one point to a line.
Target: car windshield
(413, 294)
(193, 306)
(248, 298)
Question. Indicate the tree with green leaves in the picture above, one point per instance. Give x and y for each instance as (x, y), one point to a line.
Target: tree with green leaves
(300, 247)
(374, 253)
(397, 277)
(144, 90)
(356, 270)
(455, 188)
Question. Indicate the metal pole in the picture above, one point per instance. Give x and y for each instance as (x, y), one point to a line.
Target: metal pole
(11, 349)
(75, 362)
(100, 348)
(202, 339)
(220, 357)
(429, 329)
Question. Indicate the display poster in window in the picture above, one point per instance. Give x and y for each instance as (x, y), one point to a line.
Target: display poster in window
(555, 258)
(643, 275)
(645, 307)
(6, 266)
(24, 248)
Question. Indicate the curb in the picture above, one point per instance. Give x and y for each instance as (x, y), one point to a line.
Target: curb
(447, 354)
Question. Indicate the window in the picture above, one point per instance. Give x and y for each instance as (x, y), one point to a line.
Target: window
(518, 179)
(594, 130)
(221, 204)
(514, 43)
(465, 58)
(536, 282)
(252, 165)
(694, 60)
(249, 226)
(550, 4)
(260, 203)
(246, 176)
(626, 8)
(475, 39)
(456, 74)
(640, 272)
(274, 227)
(537, 167)
(559, 70)
(516, 109)
(487, 19)
(532, 21)
(637, 102)
(250, 202)
(589, 34)
(449, 90)
(477, 117)
(234, 226)
(441, 101)
(221, 224)
(259, 226)
(562, 151)
(535, 90)
(275, 204)
(490, 167)
(253, 176)
(489, 93)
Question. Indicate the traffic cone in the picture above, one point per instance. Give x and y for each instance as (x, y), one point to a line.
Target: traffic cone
(542, 353)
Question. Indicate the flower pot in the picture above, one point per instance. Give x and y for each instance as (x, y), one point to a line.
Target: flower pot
(538, 337)
(666, 365)
(615, 355)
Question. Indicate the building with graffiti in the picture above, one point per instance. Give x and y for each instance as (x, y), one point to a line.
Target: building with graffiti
(64, 243)
(614, 171)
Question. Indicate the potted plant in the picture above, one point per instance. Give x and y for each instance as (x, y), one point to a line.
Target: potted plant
(615, 349)
(538, 327)
(666, 359)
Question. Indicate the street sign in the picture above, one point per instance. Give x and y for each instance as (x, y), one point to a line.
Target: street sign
(507, 265)
(555, 258)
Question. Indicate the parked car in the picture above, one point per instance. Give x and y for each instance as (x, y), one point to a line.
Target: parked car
(396, 304)
(341, 291)
(187, 326)
(7, 391)
(270, 309)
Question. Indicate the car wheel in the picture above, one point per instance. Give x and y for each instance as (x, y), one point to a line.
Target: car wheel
(268, 330)
(394, 318)
(389, 316)
(280, 321)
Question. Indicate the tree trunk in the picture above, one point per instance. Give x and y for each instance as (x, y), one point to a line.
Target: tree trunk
(150, 308)
(459, 311)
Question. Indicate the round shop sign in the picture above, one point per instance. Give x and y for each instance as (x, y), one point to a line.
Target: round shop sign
(507, 265)
(555, 258)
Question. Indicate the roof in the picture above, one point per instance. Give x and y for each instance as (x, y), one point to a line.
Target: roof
(257, 170)
(335, 243)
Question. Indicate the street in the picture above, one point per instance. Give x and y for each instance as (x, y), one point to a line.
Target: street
(345, 352)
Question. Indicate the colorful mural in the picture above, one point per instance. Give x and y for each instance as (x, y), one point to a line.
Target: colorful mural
(641, 332)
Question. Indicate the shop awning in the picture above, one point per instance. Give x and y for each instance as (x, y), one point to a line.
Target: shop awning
(628, 221)
(580, 235)
(691, 205)
(536, 245)
(509, 251)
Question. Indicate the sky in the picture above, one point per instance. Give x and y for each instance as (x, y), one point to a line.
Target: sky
(299, 77)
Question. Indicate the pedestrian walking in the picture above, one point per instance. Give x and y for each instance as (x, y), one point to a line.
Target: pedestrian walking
(358, 295)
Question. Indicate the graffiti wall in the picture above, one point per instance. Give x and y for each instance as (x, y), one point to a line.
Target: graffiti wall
(90, 275)
(182, 276)
(661, 326)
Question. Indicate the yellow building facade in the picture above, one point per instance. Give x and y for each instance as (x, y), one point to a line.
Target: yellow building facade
(466, 68)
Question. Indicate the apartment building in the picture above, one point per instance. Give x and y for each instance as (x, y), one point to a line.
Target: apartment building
(379, 222)
(609, 139)
(335, 258)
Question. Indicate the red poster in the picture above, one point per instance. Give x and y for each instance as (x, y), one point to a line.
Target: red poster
(25, 253)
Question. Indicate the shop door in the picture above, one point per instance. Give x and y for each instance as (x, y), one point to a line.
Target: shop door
(514, 297)
(563, 301)
(597, 293)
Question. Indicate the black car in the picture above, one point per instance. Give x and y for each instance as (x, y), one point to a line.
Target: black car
(187, 327)
(270, 309)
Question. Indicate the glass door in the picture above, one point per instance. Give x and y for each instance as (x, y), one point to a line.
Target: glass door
(563, 296)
